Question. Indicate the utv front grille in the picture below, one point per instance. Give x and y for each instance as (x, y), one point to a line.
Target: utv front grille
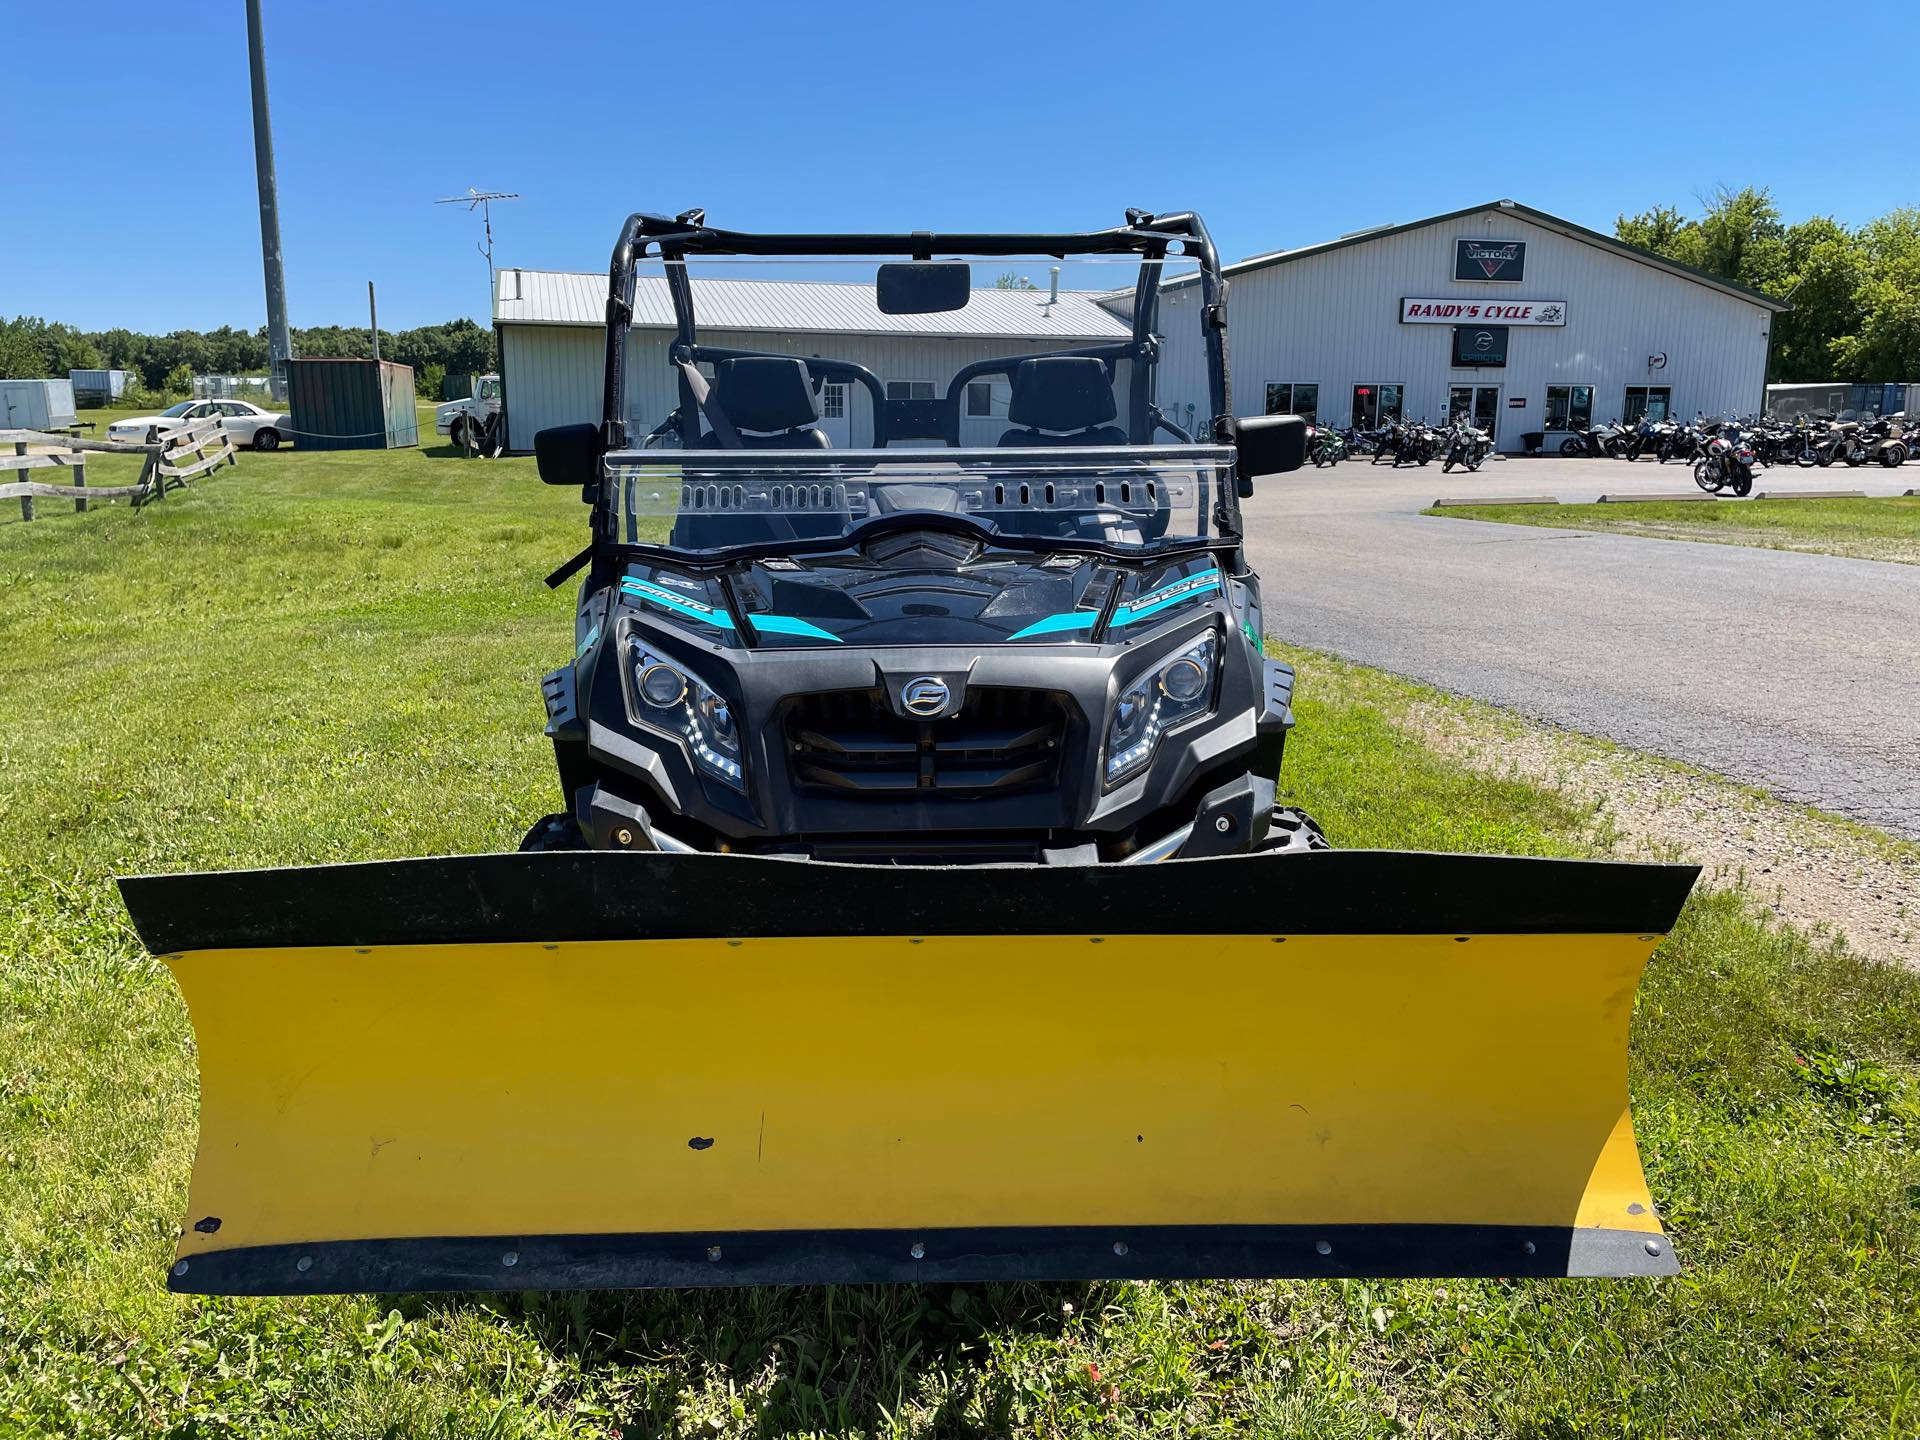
(851, 742)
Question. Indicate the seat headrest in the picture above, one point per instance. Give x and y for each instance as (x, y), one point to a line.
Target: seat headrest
(766, 393)
(1060, 393)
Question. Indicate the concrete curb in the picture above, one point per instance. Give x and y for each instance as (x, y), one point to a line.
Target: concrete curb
(1812, 495)
(1496, 500)
(1675, 495)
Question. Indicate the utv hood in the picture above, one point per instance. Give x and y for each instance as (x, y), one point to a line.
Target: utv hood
(923, 589)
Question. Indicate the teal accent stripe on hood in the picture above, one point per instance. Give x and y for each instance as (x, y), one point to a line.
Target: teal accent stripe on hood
(1150, 604)
(1065, 620)
(693, 609)
(720, 619)
(791, 625)
(1168, 595)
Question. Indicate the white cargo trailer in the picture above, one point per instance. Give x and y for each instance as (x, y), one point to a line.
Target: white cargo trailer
(36, 404)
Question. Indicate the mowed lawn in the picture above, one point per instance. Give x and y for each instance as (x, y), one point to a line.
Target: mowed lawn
(1875, 528)
(320, 657)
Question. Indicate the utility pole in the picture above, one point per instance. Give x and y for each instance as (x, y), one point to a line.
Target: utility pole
(373, 322)
(483, 200)
(279, 342)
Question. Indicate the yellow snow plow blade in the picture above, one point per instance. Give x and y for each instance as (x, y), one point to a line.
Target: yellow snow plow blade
(534, 1071)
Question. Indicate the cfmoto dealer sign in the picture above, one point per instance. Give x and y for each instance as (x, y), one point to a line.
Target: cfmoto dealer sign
(1415, 311)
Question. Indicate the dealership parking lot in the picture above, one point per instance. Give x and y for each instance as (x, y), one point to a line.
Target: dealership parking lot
(1797, 673)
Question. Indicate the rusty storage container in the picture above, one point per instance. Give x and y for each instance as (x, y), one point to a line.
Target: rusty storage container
(346, 404)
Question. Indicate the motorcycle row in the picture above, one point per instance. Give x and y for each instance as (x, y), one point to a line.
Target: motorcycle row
(1725, 453)
(1459, 442)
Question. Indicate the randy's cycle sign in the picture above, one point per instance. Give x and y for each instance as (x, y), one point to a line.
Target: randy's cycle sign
(1503, 260)
(1416, 310)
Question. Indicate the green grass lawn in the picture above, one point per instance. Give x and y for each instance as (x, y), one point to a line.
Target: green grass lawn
(336, 656)
(1877, 528)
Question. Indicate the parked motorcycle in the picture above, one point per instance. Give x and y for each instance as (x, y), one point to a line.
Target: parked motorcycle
(1406, 443)
(1328, 447)
(1729, 464)
(1464, 444)
(1609, 440)
(1647, 437)
(1685, 443)
(1885, 440)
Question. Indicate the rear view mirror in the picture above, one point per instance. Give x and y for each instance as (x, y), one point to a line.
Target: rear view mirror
(569, 454)
(923, 289)
(1268, 445)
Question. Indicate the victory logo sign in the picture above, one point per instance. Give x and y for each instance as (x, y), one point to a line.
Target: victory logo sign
(1492, 258)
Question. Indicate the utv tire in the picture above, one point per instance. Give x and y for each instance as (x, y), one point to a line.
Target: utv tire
(1292, 831)
(555, 832)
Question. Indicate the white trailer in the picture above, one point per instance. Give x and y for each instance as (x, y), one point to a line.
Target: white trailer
(36, 405)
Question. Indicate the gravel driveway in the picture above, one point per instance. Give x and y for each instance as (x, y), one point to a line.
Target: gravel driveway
(1796, 673)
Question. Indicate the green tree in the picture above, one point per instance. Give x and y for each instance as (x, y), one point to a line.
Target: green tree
(1822, 267)
(1887, 344)
(1012, 280)
(1658, 230)
(20, 357)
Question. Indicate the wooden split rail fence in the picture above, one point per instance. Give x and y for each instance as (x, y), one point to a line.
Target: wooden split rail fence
(178, 457)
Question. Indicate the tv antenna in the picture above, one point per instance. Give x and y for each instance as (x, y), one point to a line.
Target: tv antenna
(483, 201)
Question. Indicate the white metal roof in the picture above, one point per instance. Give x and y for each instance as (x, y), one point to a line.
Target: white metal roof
(554, 297)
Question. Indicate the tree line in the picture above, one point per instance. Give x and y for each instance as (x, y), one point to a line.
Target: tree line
(165, 364)
(1855, 291)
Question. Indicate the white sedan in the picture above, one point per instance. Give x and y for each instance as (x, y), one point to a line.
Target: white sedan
(247, 423)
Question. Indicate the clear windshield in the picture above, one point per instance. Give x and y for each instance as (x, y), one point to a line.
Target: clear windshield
(180, 409)
(1140, 500)
(880, 372)
(1039, 396)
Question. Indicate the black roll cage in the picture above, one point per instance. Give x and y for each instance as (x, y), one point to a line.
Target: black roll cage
(1151, 237)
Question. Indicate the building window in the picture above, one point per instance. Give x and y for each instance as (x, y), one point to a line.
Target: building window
(1652, 401)
(980, 397)
(1569, 407)
(1294, 399)
(910, 390)
(833, 401)
(1376, 405)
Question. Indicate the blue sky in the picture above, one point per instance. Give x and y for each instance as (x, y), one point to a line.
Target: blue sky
(127, 194)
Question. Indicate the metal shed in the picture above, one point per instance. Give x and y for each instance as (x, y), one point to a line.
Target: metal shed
(346, 404)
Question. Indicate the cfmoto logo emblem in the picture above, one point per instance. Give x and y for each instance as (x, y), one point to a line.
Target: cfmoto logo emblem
(925, 695)
(1483, 341)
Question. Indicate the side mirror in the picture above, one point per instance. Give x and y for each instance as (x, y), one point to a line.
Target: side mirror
(1268, 445)
(569, 455)
(923, 289)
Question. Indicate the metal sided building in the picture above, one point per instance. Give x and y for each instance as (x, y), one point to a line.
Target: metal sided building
(1529, 322)
(551, 327)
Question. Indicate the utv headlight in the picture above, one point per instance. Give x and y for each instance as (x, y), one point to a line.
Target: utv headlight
(1177, 689)
(678, 704)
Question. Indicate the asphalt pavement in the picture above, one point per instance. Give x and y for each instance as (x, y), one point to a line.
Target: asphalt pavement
(1795, 673)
